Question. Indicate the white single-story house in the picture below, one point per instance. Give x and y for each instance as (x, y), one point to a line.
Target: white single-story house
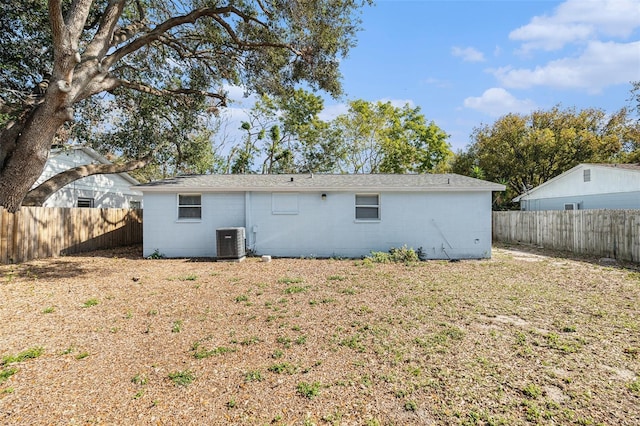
(104, 191)
(320, 215)
(587, 186)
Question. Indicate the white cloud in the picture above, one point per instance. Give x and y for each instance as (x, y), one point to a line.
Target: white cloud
(237, 96)
(579, 20)
(235, 115)
(332, 111)
(599, 66)
(497, 101)
(468, 54)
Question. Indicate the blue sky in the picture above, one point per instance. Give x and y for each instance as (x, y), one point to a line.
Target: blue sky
(466, 63)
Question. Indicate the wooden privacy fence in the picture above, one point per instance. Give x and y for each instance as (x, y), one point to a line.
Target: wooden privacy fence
(39, 232)
(602, 233)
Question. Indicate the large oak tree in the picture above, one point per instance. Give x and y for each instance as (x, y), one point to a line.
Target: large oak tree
(61, 58)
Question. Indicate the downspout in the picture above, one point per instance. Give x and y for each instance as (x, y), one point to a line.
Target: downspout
(250, 230)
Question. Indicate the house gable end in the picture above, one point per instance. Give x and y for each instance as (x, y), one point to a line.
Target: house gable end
(587, 179)
(101, 190)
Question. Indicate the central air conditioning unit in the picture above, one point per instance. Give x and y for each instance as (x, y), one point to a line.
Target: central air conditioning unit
(230, 244)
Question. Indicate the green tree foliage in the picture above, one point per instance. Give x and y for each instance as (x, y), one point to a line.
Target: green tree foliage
(243, 156)
(61, 57)
(287, 134)
(307, 139)
(382, 138)
(23, 64)
(631, 148)
(523, 151)
(174, 132)
(634, 99)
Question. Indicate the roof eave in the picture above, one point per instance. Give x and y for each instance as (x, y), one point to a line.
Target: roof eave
(197, 189)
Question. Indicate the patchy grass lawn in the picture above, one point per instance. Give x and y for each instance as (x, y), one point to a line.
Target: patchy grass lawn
(523, 338)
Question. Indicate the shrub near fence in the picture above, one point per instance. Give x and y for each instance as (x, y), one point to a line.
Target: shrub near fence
(602, 233)
(39, 232)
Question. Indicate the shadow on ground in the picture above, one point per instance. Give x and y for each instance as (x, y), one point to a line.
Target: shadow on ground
(541, 251)
(44, 269)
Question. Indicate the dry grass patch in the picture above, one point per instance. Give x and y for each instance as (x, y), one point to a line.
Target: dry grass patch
(518, 339)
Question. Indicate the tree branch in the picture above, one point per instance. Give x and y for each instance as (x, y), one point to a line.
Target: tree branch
(247, 45)
(264, 9)
(163, 92)
(141, 11)
(38, 195)
(8, 137)
(65, 36)
(101, 41)
(191, 18)
(57, 22)
(76, 20)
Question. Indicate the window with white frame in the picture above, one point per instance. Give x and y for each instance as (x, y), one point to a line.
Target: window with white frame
(367, 207)
(570, 206)
(189, 206)
(85, 202)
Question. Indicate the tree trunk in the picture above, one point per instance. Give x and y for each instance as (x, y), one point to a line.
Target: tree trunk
(24, 152)
(40, 194)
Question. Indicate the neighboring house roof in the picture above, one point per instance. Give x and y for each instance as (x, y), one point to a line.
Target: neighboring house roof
(625, 167)
(318, 182)
(93, 157)
(633, 167)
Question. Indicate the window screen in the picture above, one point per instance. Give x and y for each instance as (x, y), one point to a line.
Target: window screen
(367, 207)
(189, 206)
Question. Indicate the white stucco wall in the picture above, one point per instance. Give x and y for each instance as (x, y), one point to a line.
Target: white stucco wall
(108, 191)
(173, 237)
(445, 225)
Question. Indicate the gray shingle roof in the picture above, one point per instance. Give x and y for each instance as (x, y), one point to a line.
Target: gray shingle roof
(320, 182)
(625, 166)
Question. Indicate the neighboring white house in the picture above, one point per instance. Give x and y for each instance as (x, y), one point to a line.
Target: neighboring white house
(447, 215)
(587, 186)
(107, 190)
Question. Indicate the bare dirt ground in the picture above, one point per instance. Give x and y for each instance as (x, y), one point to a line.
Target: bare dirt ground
(523, 338)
